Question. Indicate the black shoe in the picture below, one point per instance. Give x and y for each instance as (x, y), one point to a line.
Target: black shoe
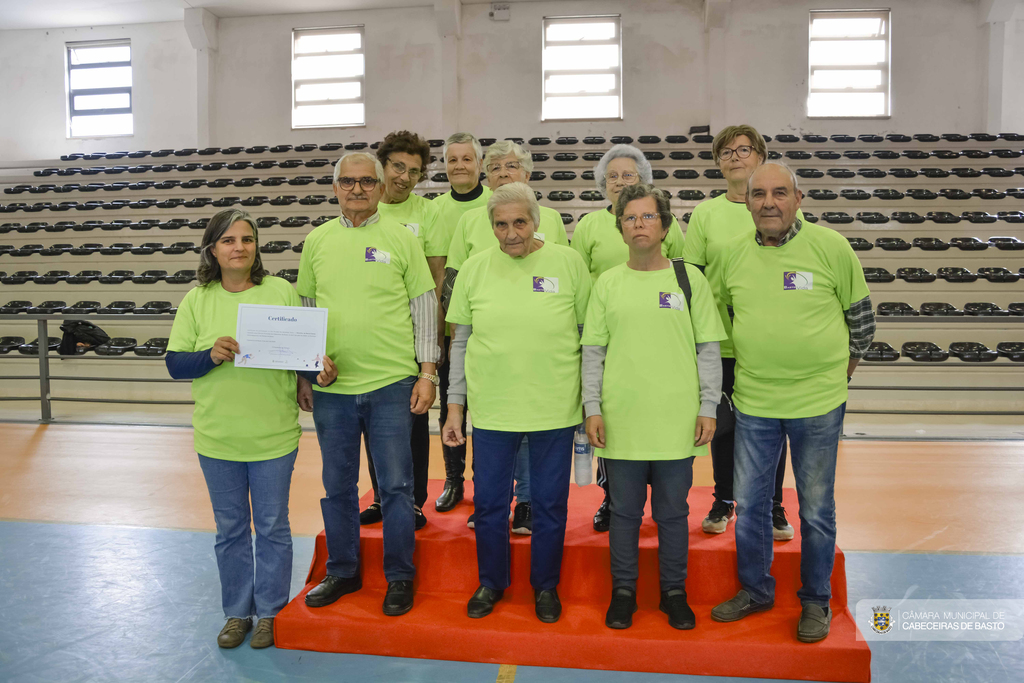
(620, 611)
(522, 519)
(781, 528)
(421, 519)
(673, 603)
(719, 517)
(332, 588)
(398, 599)
(603, 517)
(471, 522)
(549, 607)
(371, 515)
(483, 601)
(814, 623)
(449, 498)
(739, 607)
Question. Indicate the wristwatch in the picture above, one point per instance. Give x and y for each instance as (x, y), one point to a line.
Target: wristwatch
(434, 379)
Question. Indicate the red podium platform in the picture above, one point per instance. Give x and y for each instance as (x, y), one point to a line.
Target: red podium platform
(760, 646)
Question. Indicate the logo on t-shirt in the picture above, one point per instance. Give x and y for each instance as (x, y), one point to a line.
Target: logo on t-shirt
(539, 236)
(794, 279)
(374, 255)
(545, 284)
(671, 300)
(414, 227)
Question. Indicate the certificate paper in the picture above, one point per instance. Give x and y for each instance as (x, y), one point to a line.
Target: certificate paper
(281, 337)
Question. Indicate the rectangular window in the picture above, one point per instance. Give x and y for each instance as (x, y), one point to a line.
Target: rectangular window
(328, 74)
(582, 63)
(848, 57)
(99, 88)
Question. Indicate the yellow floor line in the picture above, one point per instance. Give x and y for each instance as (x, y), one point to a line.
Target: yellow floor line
(506, 673)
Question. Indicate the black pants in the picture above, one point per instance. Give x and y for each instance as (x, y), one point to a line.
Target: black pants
(724, 439)
(420, 460)
(454, 457)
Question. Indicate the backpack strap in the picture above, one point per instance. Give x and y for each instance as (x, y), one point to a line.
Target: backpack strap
(683, 279)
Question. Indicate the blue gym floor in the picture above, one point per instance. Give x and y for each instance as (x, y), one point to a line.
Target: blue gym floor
(108, 603)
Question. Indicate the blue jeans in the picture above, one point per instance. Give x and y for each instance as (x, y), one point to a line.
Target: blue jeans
(814, 445)
(550, 458)
(522, 472)
(341, 420)
(247, 588)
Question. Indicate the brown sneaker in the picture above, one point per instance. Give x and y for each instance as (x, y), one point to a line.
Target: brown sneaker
(263, 636)
(234, 632)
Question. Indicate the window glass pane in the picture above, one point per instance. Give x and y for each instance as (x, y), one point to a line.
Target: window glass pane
(344, 42)
(95, 55)
(96, 126)
(115, 101)
(335, 66)
(827, 79)
(573, 83)
(581, 58)
(329, 115)
(846, 104)
(113, 77)
(583, 31)
(846, 28)
(581, 107)
(842, 52)
(328, 91)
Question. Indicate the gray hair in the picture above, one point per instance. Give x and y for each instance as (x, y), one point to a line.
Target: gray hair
(631, 193)
(209, 268)
(360, 156)
(643, 167)
(514, 193)
(503, 148)
(787, 169)
(461, 139)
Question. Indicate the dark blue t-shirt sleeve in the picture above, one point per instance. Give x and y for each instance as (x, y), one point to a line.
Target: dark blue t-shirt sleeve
(189, 365)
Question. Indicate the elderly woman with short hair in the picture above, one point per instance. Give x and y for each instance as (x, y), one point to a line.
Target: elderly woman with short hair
(642, 323)
(737, 150)
(598, 241)
(516, 354)
(245, 422)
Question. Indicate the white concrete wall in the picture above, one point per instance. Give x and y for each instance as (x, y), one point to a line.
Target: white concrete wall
(1013, 105)
(33, 112)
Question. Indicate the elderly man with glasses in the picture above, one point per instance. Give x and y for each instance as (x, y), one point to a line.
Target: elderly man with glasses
(370, 273)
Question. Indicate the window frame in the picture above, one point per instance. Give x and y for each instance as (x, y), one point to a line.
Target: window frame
(70, 110)
(617, 71)
(885, 14)
(296, 83)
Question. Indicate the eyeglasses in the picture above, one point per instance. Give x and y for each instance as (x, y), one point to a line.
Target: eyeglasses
(648, 218)
(509, 166)
(741, 152)
(400, 168)
(366, 182)
(628, 178)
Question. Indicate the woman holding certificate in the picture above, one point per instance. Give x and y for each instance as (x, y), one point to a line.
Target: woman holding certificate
(246, 425)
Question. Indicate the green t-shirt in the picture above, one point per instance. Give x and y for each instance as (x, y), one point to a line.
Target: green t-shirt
(715, 223)
(365, 278)
(450, 210)
(420, 216)
(475, 233)
(791, 339)
(523, 358)
(600, 243)
(641, 316)
(241, 414)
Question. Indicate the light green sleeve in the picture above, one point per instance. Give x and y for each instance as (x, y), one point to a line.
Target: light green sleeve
(695, 247)
(673, 246)
(291, 295)
(581, 244)
(557, 229)
(584, 283)
(458, 250)
(459, 311)
(306, 282)
(184, 331)
(433, 239)
(851, 286)
(707, 324)
(595, 329)
(418, 279)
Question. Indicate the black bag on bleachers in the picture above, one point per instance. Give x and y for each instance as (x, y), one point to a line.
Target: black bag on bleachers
(80, 331)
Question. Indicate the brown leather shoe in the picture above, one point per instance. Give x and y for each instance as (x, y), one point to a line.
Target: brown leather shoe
(234, 632)
(263, 636)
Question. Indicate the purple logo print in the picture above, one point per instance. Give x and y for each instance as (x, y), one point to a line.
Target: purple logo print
(545, 284)
(794, 279)
(670, 300)
(374, 255)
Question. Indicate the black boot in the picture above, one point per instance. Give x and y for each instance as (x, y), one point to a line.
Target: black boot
(450, 497)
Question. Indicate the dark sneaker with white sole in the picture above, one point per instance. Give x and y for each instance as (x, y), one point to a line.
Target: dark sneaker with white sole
(718, 519)
(781, 529)
(522, 519)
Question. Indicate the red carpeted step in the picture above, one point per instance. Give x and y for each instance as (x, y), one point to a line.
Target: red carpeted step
(763, 645)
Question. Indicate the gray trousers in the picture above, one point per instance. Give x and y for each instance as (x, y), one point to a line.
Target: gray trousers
(670, 482)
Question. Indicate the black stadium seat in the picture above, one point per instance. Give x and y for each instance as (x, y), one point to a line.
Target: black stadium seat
(118, 308)
(968, 244)
(942, 217)
(878, 275)
(881, 352)
(972, 352)
(149, 277)
(15, 307)
(915, 274)
(182, 277)
(924, 352)
(998, 274)
(276, 247)
(47, 308)
(82, 308)
(118, 346)
(930, 244)
(1006, 243)
(821, 195)
(52, 277)
(116, 277)
(858, 243)
(289, 274)
(179, 248)
(872, 217)
(32, 348)
(896, 308)
(892, 244)
(1012, 350)
(982, 308)
(839, 217)
(85, 277)
(157, 346)
(909, 217)
(956, 274)
(154, 308)
(19, 277)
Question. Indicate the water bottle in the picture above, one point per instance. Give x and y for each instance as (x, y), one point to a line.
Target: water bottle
(583, 454)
